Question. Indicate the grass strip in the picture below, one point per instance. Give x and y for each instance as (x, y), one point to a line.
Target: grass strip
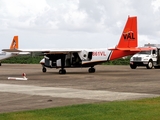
(146, 109)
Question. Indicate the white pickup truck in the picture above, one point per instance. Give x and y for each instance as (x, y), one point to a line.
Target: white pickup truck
(149, 58)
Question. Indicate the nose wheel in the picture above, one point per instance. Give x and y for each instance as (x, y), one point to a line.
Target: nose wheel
(44, 69)
(91, 70)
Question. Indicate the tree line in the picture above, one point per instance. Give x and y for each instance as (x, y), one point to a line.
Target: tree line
(27, 59)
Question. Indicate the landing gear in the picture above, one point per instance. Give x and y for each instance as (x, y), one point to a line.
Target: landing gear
(44, 69)
(0, 63)
(91, 70)
(62, 71)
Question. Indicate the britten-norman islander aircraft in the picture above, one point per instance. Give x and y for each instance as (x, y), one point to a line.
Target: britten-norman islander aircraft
(14, 45)
(74, 58)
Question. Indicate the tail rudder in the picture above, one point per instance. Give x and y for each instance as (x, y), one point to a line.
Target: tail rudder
(129, 36)
(14, 44)
(128, 41)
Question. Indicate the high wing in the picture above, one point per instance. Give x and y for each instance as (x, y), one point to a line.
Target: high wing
(45, 51)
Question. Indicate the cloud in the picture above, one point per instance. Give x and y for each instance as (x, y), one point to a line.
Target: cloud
(99, 22)
(156, 5)
(21, 13)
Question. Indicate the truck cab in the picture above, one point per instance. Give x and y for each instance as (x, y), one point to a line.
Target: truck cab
(149, 59)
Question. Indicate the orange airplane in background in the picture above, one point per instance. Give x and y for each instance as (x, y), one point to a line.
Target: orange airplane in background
(74, 58)
(14, 45)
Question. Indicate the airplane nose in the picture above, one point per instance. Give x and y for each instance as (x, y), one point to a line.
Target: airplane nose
(42, 61)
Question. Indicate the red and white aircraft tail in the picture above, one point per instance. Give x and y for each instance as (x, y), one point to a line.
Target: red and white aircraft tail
(128, 41)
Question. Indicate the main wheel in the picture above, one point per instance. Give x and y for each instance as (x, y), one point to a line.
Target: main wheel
(91, 70)
(150, 65)
(0, 63)
(62, 71)
(44, 69)
(133, 66)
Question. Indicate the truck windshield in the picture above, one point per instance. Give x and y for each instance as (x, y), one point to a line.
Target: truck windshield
(145, 52)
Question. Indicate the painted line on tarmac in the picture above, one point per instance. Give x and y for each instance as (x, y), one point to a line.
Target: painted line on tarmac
(72, 93)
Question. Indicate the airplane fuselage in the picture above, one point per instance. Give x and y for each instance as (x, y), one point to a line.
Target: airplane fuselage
(5, 55)
(85, 58)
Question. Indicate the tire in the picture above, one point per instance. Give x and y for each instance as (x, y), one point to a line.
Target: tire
(62, 71)
(133, 66)
(150, 65)
(44, 69)
(91, 70)
(156, 67)
(0, 63)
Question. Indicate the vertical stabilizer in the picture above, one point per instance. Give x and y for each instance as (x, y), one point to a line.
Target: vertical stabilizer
(129, 35)
(128, 40)
(14, 44)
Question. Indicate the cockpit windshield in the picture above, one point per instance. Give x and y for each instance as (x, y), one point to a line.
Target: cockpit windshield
(145, 52)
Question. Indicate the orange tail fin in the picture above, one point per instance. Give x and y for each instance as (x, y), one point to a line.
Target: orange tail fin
(14, 44)
(128, 41)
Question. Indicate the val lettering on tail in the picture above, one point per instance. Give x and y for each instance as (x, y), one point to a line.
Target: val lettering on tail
(78, 58)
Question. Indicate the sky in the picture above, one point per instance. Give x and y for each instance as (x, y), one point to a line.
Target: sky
(76, 23)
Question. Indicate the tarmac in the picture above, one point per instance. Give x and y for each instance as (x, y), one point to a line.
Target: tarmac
(50, 89)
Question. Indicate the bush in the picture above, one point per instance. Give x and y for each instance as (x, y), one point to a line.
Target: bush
(24, 59)
(120, 61)
(28, 59)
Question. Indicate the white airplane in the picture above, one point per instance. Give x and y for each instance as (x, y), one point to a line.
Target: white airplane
(74, 58)
(14, 45)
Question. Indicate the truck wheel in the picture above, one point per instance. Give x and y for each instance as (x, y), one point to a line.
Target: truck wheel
(157, 67)
(149, 65)
(133, 66)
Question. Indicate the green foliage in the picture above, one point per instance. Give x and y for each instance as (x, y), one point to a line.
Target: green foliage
(24, 59)
(121, 61)
(27, 59)
(146, 109)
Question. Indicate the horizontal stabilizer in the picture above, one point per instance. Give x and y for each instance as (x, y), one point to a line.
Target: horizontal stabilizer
(132, 49)
(11, 50)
